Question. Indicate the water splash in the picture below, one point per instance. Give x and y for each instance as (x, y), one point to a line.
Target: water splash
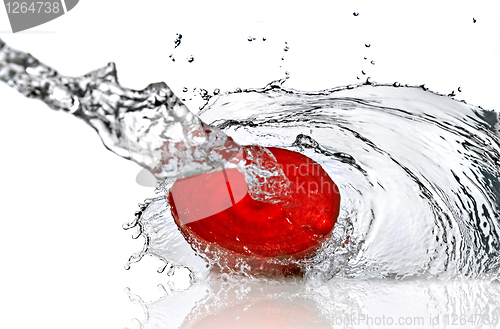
(418, 173)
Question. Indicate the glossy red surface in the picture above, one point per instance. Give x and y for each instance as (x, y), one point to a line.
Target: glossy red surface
(216, 209)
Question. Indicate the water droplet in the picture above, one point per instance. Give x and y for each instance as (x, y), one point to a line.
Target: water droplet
(162, 268)
(372, 62)
(250, 39)
(204, 94)
(459, 89)
(355, 13)
(286, 48)
(216, 91)
(177, 40)
(282, 58)
(190, 59)
(184, 89)
(365, 58)
(264, 38)
(396, 84)
(364, 73)
(172, 57)
(474, 20)
(357, 78)
(367, 45)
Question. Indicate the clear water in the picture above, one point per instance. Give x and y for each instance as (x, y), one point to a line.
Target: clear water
(418, 172)
(151, 127)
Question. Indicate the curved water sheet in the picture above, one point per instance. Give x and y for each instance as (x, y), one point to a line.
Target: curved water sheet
(418, 174)
(236, 302)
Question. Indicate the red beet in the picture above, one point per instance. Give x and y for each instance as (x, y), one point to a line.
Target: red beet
(215, 210)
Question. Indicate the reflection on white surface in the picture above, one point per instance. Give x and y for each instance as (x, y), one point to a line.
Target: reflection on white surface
(340, 303)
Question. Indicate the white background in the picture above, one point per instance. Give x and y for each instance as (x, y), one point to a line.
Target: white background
(65, 197)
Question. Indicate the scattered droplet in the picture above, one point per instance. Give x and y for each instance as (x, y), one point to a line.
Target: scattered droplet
(172, 57)
(204, 94)
(190, 59)
(365, 58)
(396, 84)
(185, 89)
(459, 89)
(250, 39)
(216, 91)
(177, 40)
(367, 45)
(286, 48)
(355, 13)
(364, 73)
(372, 62)
(357, 78)
(283, 58)
(264, 38)
(474, 20)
